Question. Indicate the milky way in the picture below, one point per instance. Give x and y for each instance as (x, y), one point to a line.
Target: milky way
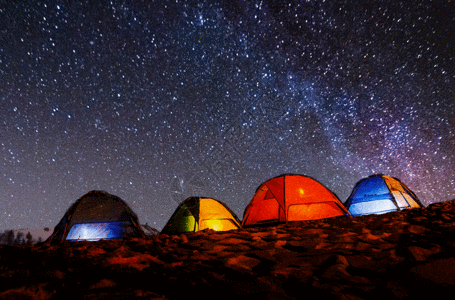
(156, 101)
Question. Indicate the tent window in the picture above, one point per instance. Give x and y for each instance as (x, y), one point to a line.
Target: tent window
(372, 207)
(312, 211)
(99, 231)
(218, 225)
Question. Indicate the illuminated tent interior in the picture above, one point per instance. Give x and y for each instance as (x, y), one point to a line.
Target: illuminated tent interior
(97, 215)
(378, 194)
(291, 197)
(199, 213)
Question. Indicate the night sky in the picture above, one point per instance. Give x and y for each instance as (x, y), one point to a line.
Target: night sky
(156, 101)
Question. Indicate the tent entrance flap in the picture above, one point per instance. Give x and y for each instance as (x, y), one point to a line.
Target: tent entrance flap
(268, 210)
(185, 224)
(401, 201)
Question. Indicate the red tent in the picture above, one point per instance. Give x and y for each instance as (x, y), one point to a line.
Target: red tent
(291, 198)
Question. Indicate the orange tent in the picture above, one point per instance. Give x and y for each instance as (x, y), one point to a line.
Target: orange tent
(291, 198)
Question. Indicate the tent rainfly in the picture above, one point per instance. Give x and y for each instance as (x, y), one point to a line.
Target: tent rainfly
(95, 216)
(291, 197)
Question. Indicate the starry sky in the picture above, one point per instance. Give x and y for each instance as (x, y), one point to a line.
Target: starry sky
(156, 101)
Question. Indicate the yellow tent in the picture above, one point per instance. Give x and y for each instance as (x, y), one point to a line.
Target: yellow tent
(199, 213)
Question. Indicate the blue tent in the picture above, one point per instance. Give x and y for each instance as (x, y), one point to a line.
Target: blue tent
(378, 194)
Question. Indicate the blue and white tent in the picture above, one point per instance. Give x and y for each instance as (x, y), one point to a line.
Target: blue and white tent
(378, 194)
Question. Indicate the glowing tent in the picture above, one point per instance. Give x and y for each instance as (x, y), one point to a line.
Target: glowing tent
(291, 198)
(97, 216)
(378, 194)
(199, 213)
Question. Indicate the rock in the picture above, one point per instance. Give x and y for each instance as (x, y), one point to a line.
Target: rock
(242, 262)
(421, 254)
(103, 283)
(138, 261)
(440, 271)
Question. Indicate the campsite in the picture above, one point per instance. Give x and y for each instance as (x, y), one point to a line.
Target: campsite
(234, 149)
(99, 251)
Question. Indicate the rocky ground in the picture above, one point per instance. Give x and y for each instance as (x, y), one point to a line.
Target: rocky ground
(397, 255)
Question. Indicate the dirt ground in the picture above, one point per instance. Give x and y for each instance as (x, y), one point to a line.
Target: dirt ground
(397, 255)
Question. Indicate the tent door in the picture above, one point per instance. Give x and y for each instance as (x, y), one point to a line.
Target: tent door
(400, 199)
